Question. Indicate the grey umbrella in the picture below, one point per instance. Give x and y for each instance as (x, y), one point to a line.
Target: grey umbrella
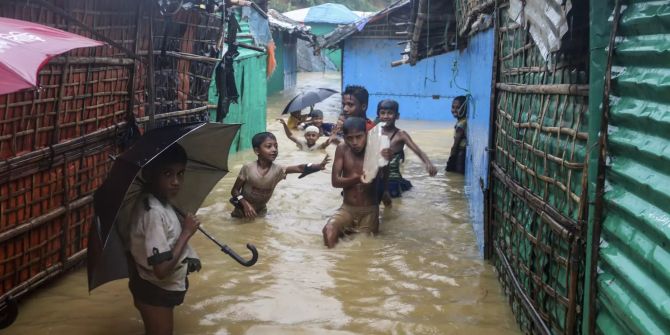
(206, 145)
(307, 99)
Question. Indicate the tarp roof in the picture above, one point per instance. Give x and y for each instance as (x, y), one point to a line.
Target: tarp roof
(325, 13)
(332, 39)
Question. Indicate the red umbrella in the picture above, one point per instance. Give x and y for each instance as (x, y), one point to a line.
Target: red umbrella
(25, 47)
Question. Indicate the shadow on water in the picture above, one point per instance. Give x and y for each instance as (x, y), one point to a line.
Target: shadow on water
(421, 275)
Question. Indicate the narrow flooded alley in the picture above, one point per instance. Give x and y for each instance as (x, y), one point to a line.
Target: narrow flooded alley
(422, 275)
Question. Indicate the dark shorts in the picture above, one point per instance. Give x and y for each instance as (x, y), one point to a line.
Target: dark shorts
(150, 294)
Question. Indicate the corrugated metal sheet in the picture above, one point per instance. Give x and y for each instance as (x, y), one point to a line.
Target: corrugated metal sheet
(633, 269)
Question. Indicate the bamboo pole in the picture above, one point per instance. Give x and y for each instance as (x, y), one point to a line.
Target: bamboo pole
(40, 220)
(82, 60)
(564, 89)
(151, 89)
(173, 114)
(538, 322)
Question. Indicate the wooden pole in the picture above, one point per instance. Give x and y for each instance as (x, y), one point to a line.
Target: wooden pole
(151, 93)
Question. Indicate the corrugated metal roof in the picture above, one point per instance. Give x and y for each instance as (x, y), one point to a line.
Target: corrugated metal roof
(633, 269)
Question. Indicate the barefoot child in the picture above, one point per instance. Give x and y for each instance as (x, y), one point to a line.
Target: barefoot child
(161, 257)
(309, 142)
(257, 180)
(395, 184)
(360, 208)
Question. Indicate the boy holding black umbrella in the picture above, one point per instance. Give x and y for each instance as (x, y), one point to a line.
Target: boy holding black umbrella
(161, 257)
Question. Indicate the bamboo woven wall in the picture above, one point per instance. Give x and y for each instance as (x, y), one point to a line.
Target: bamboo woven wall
(538, 198)
(56, 142)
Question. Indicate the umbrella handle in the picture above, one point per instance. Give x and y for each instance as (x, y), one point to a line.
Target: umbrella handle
(230, 252)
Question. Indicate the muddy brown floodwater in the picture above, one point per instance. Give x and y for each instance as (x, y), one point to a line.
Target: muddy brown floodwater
(422, 275)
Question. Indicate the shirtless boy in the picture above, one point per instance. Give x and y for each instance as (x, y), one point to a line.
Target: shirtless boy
(360, 209)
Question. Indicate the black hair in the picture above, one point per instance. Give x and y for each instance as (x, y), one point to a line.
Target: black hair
(463, 109)
(316, 113)
(388, 104)
(259, 138)
(173, 154)
(353, 123)
(358, 92)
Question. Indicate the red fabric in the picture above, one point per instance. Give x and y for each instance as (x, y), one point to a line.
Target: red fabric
(369, 124)
(25, 47)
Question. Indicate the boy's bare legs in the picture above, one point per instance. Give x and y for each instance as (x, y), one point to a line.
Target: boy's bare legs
(330, 235)
(157, 320)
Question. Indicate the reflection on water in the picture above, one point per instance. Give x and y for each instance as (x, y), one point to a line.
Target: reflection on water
(421, 275)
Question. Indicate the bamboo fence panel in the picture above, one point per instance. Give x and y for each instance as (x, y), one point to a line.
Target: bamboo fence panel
(538, 194)
(56, 142)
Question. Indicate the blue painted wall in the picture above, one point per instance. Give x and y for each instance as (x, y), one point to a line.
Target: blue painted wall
(367, 62)
(424, 91)
(479, 52)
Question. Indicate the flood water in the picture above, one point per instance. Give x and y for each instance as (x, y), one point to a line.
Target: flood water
(421, 275)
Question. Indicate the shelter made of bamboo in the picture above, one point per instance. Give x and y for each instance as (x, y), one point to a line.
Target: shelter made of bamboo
(57, 141)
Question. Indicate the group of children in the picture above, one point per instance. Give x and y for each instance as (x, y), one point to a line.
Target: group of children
(161, 258)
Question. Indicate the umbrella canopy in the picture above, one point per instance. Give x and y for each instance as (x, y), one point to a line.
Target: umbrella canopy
(326, 13)
(206, 145)
(25, 47)
(307, 99)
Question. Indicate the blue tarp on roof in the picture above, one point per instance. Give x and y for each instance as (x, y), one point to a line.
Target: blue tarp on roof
(325, 13)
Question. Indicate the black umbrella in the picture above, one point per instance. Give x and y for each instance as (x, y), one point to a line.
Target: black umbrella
(207, 146)
(307, 99)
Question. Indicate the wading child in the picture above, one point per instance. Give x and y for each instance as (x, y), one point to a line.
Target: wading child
(394, 184)
(257, 180)
(325, 128)
(161, 257)
(309, 142)
(456, 161)
(354, 103)
(360, 207)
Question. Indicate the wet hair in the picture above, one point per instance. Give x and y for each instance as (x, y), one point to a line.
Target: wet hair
(358, 92)
(388, 104)
(316, 113)
(174, 154)
(353, 123)
(259, 138)
(463, 109)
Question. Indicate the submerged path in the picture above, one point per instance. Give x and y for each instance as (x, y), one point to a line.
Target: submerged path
(421, 275)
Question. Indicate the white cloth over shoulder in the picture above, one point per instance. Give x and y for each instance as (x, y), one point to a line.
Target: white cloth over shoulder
(373, 158)
(153, 234)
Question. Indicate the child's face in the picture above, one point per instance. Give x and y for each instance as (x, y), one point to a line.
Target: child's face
(317, 121)
(352, 107)
(387, 115)
(311, 138)
(455, 106)
(268, 150)
(356, 140)
(166, 181)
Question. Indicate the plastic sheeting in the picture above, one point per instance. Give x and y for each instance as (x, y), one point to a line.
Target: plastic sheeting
(547, 21)
(633, 273)
(325, 13)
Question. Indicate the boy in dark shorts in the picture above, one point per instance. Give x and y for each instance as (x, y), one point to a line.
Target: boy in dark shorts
(160, 255)
(360, 207)
(394, 184)
(257, 180)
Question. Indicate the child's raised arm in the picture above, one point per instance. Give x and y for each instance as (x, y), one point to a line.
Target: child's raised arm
(288, 132)
(302, 168)
(430, 168)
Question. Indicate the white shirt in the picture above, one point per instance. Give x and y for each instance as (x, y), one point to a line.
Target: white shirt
(154, 231)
